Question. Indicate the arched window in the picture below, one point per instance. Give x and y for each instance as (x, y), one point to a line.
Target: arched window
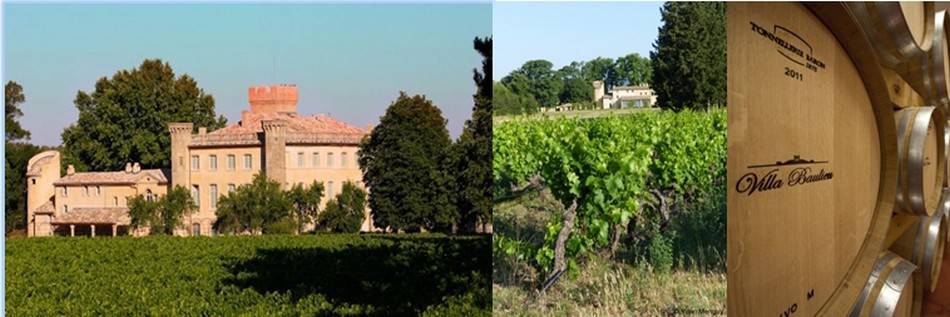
(115, 201)
(196, 229)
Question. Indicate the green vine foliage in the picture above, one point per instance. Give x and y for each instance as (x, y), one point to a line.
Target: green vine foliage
(608, 164)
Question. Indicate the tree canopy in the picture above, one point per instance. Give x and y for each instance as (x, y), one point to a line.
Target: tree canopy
(13, 97)
(470, 158)
(17, 155)
(633, 70)
(258, 207)
(126, 118)
(345, 212)
(306, 202)
(536, 85)
(401, 161)
(689, 58)
(164, 215)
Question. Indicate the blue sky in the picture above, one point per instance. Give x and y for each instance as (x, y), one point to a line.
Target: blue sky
(348, 60)
(566, 32)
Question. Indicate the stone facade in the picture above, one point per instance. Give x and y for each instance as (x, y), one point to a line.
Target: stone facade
(95, 202)
(289, 148)
(624, 97)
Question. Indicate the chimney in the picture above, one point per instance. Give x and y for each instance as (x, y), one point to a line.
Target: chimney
(136, 168)
(70, 170)
(128, 167)
(202, 131)
(245, 117)
(274, 99)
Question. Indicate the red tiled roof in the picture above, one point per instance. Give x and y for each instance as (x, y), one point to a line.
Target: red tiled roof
(318, 129)
(161, 175)
(638, 87)
(46, 208)
(110, 215)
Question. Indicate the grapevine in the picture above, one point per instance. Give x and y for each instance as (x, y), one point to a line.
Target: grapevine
(610, 167)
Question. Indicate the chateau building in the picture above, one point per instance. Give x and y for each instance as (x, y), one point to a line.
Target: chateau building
(623, 97)
(271, 137)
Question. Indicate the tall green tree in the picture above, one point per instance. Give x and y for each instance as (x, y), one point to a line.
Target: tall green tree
(601, 68)
(577, 90)
(506, 103)
(162, 216)
(574, 70)
(144, 213)
(689, 58)
(17, 157)
(13, 97)
(306, 201)
(471, 155)
(126, 117)
(258, 207)
(345, 212)
(402, 162)
(633, 70)
(518, 96)
(542, 83)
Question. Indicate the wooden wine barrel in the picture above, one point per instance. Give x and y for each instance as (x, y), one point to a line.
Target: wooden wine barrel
(937, 303)
(898, 31)
(889, 289)
(921, 159)
(923, 244)
(928, 73)
(946, 154)
(812, 163)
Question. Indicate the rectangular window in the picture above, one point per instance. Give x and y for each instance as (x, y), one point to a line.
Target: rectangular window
(299, 159)
(65, 208)
(196, 195)
(247, 161)
(329, 159)
(85, 191)
(230, 162)
(230, 188)
(65, 191)
(214, 196)
(316, 159)
(343, 159)
(213, 162)
(330, 190)
(98, 191)
(194, 163)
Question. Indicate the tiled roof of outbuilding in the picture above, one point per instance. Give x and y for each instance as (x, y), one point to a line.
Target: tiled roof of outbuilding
(96, 215)
(161, 175)
(45, 208)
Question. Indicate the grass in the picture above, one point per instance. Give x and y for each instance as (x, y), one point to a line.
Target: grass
(608, 287)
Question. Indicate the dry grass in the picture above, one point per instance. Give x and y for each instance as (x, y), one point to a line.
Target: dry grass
(606, 288)
(600, 287)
